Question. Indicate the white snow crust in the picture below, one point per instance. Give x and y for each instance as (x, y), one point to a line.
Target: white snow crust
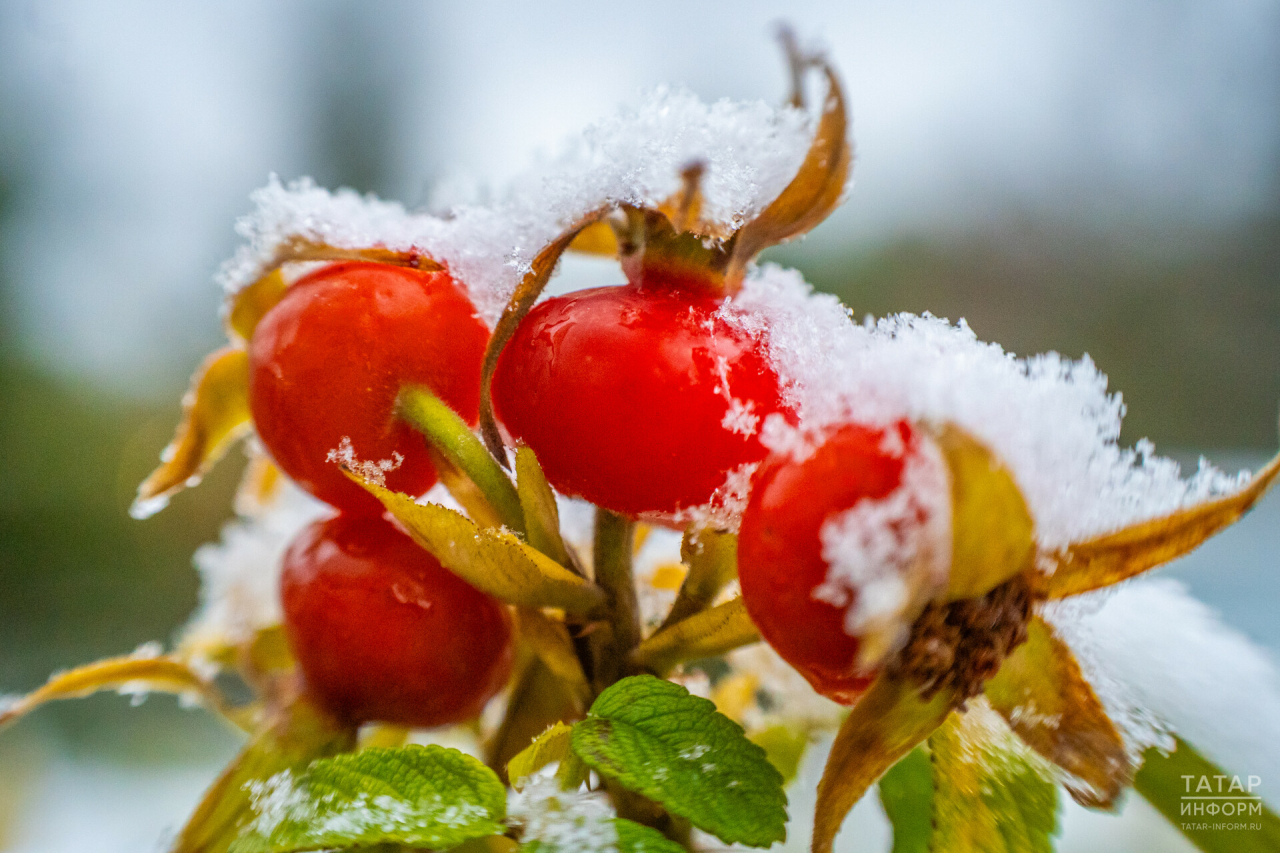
(1049, 418)
(1163, 662)
(581, 821)
(751, 150)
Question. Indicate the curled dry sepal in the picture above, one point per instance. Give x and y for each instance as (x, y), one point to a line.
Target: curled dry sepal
(975, 708)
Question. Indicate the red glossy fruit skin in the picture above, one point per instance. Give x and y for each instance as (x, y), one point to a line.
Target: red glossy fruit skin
(780, 551)
(328, 360)
(382, 631)
(618, 391)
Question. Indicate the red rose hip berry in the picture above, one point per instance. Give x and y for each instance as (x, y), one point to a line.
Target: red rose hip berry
(839, 551)
(638, 398)
(382, 631)
(327, 362)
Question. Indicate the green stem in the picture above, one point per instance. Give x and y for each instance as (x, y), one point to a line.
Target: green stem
(614, 535)
(453, 438)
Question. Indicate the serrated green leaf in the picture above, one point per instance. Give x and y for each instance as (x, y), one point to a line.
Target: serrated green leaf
(992, 794)
(419, 796)
(906, 792)
(654, 738)
(637, 838)
(1169, 782)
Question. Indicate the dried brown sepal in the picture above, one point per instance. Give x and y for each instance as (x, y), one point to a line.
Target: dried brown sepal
(550, 641)
(133, 673)
(888, 721)
(298, 734)
(526, 293)
(493, 560)
(215, 414)
(1109, 559)
(712, 558)
(813, 193)
(707, 633)
(304, 250)
(1042, 694)
(992, 531)
(598, 238)
(247, 306)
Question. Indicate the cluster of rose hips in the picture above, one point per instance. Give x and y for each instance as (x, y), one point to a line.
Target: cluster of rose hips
(624, 393)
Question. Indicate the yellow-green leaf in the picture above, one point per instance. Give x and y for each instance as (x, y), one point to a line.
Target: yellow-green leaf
(712, 558)
(992, 531)
(250, 304)
(991, 793)
(707, 633)
(887, 722)
(129, 674)
(550, 746)
(550, 641)
(1041, 693)
(1113, 557)
(542, 516)
(215, 414)
(784, 746)
(492, 560)
(538, 701)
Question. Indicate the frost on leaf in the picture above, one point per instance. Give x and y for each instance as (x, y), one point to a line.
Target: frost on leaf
(556, 821)
(416, 796)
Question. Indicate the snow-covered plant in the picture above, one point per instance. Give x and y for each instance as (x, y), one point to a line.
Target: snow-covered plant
(556, 532)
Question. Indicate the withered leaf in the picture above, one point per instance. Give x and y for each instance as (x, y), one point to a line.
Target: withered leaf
(1041, 693)
(131, 673)
(707, 633)
(215, 414)
(1113, 557)
(887, 722)
(712, 558)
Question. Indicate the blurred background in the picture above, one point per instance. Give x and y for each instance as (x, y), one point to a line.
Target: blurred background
(1072, 175)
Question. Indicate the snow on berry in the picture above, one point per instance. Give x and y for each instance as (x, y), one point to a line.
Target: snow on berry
(750, 149)
(1047, 417)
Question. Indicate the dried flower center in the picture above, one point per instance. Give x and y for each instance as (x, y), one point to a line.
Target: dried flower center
(958, 645)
